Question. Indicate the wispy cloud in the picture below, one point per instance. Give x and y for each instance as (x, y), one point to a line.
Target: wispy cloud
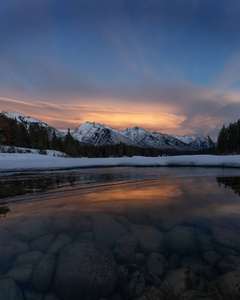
(230, 74)
(63, 116)
(202, 111)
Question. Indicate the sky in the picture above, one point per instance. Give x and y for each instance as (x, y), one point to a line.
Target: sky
(165, 65)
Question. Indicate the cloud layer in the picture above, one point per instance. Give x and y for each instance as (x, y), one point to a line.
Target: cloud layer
(175, 110)
(168, 66)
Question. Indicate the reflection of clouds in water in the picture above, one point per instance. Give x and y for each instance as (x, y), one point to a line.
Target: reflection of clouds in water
(164, 202)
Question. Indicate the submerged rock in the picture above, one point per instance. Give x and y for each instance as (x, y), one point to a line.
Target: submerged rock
(174, 262)
(149, 238)
(156, 264)
(43, 273)
(134, 286)
(196, 295)
(51, 296)
(196, 264)
(81, 224)
(9, 290)
(124, 250)
(178, 281)
(140, 258)
(151, 293)
(62, 240)
(9, 251)
(181, 240)
(106, 230)
(211, 257)
(228, 285)
(229, 260)
(21, 274)
(31, 257)
(85, 270)
(205, 242)
(227, 237)
(32, 228)
(31, 294)
(42, 243)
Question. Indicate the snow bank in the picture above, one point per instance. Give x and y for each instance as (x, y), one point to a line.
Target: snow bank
(14, 161)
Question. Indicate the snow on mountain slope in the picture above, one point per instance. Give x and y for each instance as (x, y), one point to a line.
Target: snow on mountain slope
(170, 142)
(187, 139)
(98, 134)
(25, 119)
(197, 142)
(201, 142)
(29, 120)
(155, 140)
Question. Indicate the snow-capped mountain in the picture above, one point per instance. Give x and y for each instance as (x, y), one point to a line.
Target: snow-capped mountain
(25, 119)
(29, 120)
(187, 139)
(99, 135)
(155, 140)
(198, 142)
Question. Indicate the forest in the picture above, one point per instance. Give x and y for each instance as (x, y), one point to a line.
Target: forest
(20, 134)
(229, 139)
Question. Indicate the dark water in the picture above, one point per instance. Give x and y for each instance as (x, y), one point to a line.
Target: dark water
(121, 233)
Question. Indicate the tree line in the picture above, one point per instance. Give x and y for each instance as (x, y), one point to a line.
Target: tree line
(229, 139)
(34, 136)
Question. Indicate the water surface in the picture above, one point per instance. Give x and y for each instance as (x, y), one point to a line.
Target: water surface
(161, 226)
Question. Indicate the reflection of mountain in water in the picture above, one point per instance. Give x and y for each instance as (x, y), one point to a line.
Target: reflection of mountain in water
(230, 182)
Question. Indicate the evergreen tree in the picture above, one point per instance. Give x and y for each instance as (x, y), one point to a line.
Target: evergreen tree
(5, 131)
(55, 144)
(71, 145)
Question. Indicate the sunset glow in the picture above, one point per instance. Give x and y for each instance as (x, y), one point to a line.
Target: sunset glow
(167, 68)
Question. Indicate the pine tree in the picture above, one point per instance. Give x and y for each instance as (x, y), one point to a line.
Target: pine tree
(5, 131)
(55, 144)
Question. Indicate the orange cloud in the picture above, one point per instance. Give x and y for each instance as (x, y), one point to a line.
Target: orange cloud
(65, 116)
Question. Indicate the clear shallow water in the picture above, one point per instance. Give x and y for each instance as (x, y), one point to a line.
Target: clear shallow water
(121, 233)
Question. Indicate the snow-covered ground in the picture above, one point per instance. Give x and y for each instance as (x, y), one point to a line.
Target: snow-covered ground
(13, 149)
(15, 161)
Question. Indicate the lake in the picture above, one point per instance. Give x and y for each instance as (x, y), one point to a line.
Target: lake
(120, 233)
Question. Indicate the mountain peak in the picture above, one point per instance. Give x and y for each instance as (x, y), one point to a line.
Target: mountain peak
(27, 120)
(21, 118)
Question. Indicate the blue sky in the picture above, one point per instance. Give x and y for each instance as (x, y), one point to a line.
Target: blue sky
(168, 65)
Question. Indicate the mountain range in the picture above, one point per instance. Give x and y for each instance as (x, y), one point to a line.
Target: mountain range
(99, 135)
